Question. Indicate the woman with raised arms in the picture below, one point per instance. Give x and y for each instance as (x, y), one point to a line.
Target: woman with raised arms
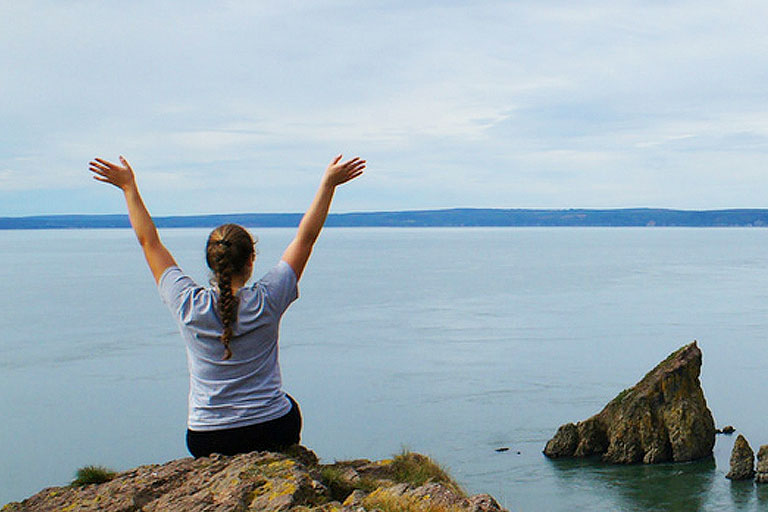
(236, 400)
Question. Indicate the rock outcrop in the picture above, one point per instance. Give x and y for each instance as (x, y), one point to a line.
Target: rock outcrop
(762, 465)
(742, 460)
(264, 481)
(663, 418)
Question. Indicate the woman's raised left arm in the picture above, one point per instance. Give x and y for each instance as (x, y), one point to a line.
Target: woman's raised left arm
(157, 255)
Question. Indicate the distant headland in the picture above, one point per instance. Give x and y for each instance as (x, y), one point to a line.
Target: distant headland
(456, 217)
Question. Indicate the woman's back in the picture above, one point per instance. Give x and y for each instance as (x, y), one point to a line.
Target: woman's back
(247, 388)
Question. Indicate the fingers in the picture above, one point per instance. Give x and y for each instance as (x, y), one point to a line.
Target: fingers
(351, 176)
(98, 166)
(355, 164)
(352, 163)
(108, 172)
(106, 163)
(98, 169)
(353, 168)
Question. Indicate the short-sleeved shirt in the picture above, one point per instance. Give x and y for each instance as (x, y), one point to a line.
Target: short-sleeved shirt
(247, 388)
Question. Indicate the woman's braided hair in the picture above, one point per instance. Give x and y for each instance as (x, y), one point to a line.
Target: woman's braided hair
(228, 252)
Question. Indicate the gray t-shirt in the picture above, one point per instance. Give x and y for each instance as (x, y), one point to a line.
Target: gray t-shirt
(246, 389)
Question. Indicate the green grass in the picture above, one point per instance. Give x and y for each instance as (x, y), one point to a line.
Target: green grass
(92, 475)
(386, 502)
(406, 467)
(416, 469)
(340, 487)
(337, 485)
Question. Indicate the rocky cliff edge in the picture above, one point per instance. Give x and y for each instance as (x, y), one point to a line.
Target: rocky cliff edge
(265, 481)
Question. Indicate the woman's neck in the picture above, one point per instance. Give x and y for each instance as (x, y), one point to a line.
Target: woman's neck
(237, 283)
(239, 280)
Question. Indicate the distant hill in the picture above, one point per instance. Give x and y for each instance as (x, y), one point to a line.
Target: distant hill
(472, 217)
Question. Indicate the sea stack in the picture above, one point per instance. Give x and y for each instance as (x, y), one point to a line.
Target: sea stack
(762, 465)
(742, 460)
(662, 418)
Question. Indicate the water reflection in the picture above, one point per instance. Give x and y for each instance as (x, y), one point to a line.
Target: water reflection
(762, 496)
(742, 495)
(660, 487)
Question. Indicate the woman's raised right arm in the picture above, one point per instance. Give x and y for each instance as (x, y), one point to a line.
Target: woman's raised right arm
(298, 251)
(157, 255)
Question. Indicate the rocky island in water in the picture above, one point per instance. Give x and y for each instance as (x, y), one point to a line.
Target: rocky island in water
(662, 418)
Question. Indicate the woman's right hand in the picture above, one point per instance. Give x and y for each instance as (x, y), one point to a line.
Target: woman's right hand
(338, 173)
(120, 176)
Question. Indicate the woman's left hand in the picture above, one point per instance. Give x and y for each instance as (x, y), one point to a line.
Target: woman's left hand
(120, 176)
(339, 173)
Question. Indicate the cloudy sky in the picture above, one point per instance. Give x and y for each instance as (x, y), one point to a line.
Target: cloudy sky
(237, 106)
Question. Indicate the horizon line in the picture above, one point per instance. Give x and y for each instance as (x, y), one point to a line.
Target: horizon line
(424, 210)
(453, 217)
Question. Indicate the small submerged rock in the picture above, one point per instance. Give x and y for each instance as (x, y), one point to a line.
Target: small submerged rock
(663, 418)
(726, 430)
(742, 460)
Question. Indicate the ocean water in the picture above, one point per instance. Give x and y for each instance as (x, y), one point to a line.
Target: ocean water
(450, 342)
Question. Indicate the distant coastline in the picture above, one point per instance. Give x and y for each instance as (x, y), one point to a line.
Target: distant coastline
(457, 217)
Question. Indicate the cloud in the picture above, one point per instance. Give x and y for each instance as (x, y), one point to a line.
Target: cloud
(491, 104)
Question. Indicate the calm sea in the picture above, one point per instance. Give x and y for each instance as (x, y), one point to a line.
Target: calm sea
(450, 342)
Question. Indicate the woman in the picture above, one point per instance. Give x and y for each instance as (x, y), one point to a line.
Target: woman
(236, 401)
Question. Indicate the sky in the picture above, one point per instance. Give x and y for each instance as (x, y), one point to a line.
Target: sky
(238, 106)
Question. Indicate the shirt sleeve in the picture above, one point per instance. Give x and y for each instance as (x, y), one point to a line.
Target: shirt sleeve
(174, 287)
(281, 286)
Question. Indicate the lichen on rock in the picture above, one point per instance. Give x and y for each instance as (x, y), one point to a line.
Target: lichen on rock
(662, 418)
(269, 482)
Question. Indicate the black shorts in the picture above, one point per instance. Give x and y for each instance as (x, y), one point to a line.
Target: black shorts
(271, 435)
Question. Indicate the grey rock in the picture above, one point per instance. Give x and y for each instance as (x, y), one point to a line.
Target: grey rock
(742, 460)
(484, 503)
(564, 443)
(762, 465)
(355, 500)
